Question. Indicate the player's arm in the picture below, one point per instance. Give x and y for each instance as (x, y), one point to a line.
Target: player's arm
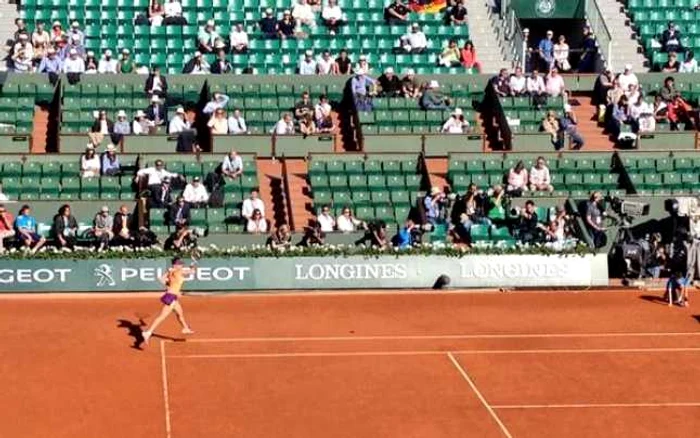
(164, 278)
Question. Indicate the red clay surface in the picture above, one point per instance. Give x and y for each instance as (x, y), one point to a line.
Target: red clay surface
(574, 365)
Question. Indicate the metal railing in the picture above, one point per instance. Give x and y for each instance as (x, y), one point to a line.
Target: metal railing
(516, 40)
(596, 21)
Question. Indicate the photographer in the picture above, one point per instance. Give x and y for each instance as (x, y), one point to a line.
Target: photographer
(375, 235)
(528, 226)
(313, 236)
(407, 236)
(435, 206)
(181, 239)
(473, 214)
(594, 220)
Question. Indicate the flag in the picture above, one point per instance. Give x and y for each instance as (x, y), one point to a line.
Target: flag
(430, 7)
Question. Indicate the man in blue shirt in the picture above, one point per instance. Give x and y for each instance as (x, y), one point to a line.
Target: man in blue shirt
(26, 230)
(363, 88)
(546, 51)
(217, 101)
(433, 205)
(50, 63)
(404, 238)
(110, 162)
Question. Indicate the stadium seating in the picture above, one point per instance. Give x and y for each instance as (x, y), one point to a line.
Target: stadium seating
(662, 174)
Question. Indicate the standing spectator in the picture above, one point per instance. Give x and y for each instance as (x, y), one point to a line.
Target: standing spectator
(457, 14)
(107, 63)
(110, 162)
(501, 83)
(155, 13)
(236, 123)
(218, 123)
(410, 86)
(6, 226)
(73, 64)
(41, 41)
(125, 64)
(450, 56)
(196, 65)
(287, 26)
(415, 41)
(518, 83)
(239, 39)
(307, 65)
(363, 89)
(540, 179)
(322, 114)
(155, 174)
(590, 50)
(102, 228)
(123, 225)
(672, 65)
(343, 64)
(456, 124)
(545, 49)
(627, 78)
(156, 84)
(207, 37)
(325, 63)
(569, 126)
(232, 166)
(468, 56)
(433, 98)
(555, 84)
(389, 84)
(161, 194)
(195, 193)
(221, 65)
(594, 219)
(50, 64)
(179, 122)
(303, 14)
(156, 112)
(325, 220)
(304, 106)
(550, 125)
(218, 100)
(396, 13)
(268, 25)
(347, 223)
(603, 84)
(256, 224)
(333, 16)
(285, 125)
(121, 126)
(671, 39)
(690, 64)
(77, 35)
(179, 212)
(517, 179)
(65, 228)
(141, 125)
(25, 224)
(561, 54)
(252, 203)
(173, 13)
(89, 164)
(434, 206)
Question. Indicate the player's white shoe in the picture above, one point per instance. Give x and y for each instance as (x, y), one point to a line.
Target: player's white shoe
(187, 331)
(146, 336)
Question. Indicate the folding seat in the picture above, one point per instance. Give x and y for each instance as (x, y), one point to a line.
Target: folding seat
(400, 197)
(353, 167)
(110, 187)
(216, 218)
(376, 182)
(31, 169)
(70, 188)
(338, 181)
(384, 213)
(89, 188)
(372, 166)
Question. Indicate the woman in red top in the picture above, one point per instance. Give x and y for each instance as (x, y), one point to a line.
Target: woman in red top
(469, 56)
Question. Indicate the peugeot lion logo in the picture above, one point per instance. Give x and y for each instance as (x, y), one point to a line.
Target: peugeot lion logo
(104, 276)
(546, 8)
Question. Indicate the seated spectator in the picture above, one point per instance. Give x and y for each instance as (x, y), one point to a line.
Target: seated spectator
(671, 39)
(527, 228)
(238, 39)
(456, 14)
(218, 101)
(405, 237)
(156, 112)
(518, 83)
(315, 5)
(615, 93)
(307, 65)
(396, 13)
(347, 223)
(313, 236)
(268, 25)
(545, 50)
(65, 228)
(206, 38)
(304, 106)
(569, 126)
(252, 203)
(434, 205)
(107, 63)
(25, 225)
(73, 64)
(433, 99)
(660, 109)
(561, 55)
(155, 13)
(343, 64)
(389, 83)
(415, 41)
(540, 180)
(501, 83)
(141, 125)
(363, 65)
(325, 63)
(57, 33)
(555, 85)
(121, 126)
(495, 204)
(232, 166)
(218, 124)
(91, 63)
(473, 215)
(456, 124)
(679, 111)
(6, 226)
(181, 239)
(325, 220)
(102, 126)
(620, 117)
(3, 197)
(669, 91)
(102, 228)
(287, 26)
(152, 176)
(195, 193)
(161, 194)
(468, 56)
(236, 123)
(304, 14)
(690, 64)
(89, 164)
(196, 65)
(450, 56)
(21, 62)
(41, 41)
(410, 86)
(642, 116)
(179, 212)
(672, 65)
(307, 126)
(280, 239)
(322, 115)
(627, 78)
(285, 125)
(25, 45)
(110, 162)
(536, 89)
(122, 229)
(550, 125)
(156, 84)
(363, 89)
(333, 16)
(517, 179)
(594, 219)
(173, 13)
(51, 63)
(179, 122)
(221, 65)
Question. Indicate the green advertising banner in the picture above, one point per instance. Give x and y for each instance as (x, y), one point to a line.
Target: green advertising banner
(312, 273)
(533, 9)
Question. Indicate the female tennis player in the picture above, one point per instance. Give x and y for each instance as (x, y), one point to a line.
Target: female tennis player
(172, 280)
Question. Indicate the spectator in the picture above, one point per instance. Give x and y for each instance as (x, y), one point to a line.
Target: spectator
(21, 29)
(496, 210)
(156, 84)
(594, 219)
(396, 13)
(343, 64)
(555, 231)
(307, 65)
(89, 163)
(473, 215)
(660, 109)
(121, 126)
(74, 64)
(307, 126)
(389, 83)
(322, 115)
(363, 65)
(679, 111)
(501, 83)
(91, 63)
(285, 125)
(21, 62)
(555, 85)
(122, 225)
(102, 126)
(333, 16)
(287, 26)
(179, 122)
(25, 224)
(313, 236)
(196, 65)
(281, 239)
(518, 83)
(627, 78)
(434, 205)
(110, 162)
(669, 91)
(528, 225)
(540, 180)
(615, 93)
(221, 65)
(180, 239)
(195, 193)
(206, 38)
(65, 228)
(456, 124)
(517, 179)
(620, 117)
(51, 63)
(57, 34)
(303, 14)
(363, 89)
(561, 54)
(633, 93)
(6, 226)
(41, 41)
(173, 13)
(161, 194)
(569, 126)
(268, 25)
(156, 112)
(76, 34)
(24, 44)
(325, 220)
(433, 99)
(603, 84)
(126, 64)
(3, 197)
(456, 14)
(155, 174)
(236, 123)
(671, 39)
(347, 223)
(415, 41)
(642, 116)
(545, 49)
(232, 166)
(450, 56)
(325, 63)
(251, 204)
(238, 39)
(102, 228)
(155, 13)
(218, 123)
(672, 65)
(550, 125)
(410, 86)
(141, 125)
(179, 212)
(404, 238)
(468, 56)
(107, 63)
(690, 64)
(589, 51)
(304, 106)
(218, 100)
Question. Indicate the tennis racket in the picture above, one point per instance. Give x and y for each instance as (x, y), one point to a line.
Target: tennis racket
(195, 256)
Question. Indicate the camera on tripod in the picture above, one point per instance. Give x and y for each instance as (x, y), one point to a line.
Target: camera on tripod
(626, 211)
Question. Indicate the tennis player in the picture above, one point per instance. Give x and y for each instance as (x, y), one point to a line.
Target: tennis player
(172, 280)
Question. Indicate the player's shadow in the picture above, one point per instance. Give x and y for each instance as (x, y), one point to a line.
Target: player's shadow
(135, 329)
(656, 299)
(696, 317)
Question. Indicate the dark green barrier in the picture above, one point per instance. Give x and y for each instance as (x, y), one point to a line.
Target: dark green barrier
(442, 144)
(532, 143)
(72, 143)
(150, 144)
(667, 141)
(243, 144)
(298, 146)
(14, 144)
(392, 143)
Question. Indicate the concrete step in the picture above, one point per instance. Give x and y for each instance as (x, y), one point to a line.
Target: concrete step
(299, 193)
(272, 190)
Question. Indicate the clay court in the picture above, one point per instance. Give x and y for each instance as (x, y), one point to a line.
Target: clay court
(550, 364)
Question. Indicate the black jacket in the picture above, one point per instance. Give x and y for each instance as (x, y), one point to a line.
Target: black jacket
(157, 199)
(173, 213)
(218, 69)
(119, 220)
(163, 84)
(96, 126)
(59, 226)
(151, 115)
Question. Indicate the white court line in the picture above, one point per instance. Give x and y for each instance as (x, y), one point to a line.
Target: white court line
(466, 377)
(437, 337)
(166, 397)
(432, 352)
(601, 405)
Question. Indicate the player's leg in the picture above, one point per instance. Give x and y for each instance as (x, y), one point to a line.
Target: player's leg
(164, 313)
(180, 314)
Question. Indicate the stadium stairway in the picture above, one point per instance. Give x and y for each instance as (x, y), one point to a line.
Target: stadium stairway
(40, 128)
(299, 193)
(437, 169)
(595, 138)
(270, 175)
(482, 33)
(8, 14)
(625, 48)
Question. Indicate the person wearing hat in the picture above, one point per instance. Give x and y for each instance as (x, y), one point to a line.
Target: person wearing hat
(389, 83)
(221, 65)
(628, 78)
(410, 85)
(363, 89)
(110, 160)
(21, 62)
(121, 126)
(195, 193)
(433, 98)
(107, 64)
(156, 84)
(57, 33)
(332, 16)
(268, 25)
(89, 163)
(207, 37)
(545, 49)
(102, 226)
(76, 34)
(197, 65)
(415, 41)
(287, 26)
(308, 65)
(173, 13)
(179, 122)
(304, 14)
(90, 62)
(141, 125)
(125, 64)
(396, 13)
(239, 39)
(156, 111)
(363, 64)
(434, 205)
(324, 63)
(456, 124)
(41, 40)
(50, 63)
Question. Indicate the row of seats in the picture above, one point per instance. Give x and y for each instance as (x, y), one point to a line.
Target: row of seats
(498, 166)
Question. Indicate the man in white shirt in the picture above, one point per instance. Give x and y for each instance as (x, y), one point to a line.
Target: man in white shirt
(207, 37)
(456, 123)
(535, 84)
(518, 83)
(76, 34)
(540, 179)
(172, 9)
(303, 14)
(332, 16)
(239, 39)
(195, 193)
(627, 78)
(325, 63)
(284, 126)
(555, 85)
(218, 100)
(322, 114)
(307, 66)
(24, 44)
(154, 175)
(414, 41)
(251, 204)
(232, 166)
(73, 64)
(107, 63)
(236, 123)
(325, 220)
(179, 122)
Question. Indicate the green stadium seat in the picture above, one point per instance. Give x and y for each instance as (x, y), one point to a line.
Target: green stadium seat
(356, 181)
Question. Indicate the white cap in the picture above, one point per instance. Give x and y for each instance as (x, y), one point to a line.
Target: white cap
(457, 112)
(363, 57)
(433, 84)
(526, 30)
(73, 52)
(140, 113)
(628, 66)
(125, 51)
(268, 10)
(210, 23)
(567, 108)
(415, 25)
(121, 113)
(286, 12)
(155, 98)
(23, 36)
(180, 110)
(75, 24)
(309, 52)
(389, 70)
(56, 23)
(108, 52)
(111, 147)
(90, 53)
(410, 71)
(549, 32)
(197, 54)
